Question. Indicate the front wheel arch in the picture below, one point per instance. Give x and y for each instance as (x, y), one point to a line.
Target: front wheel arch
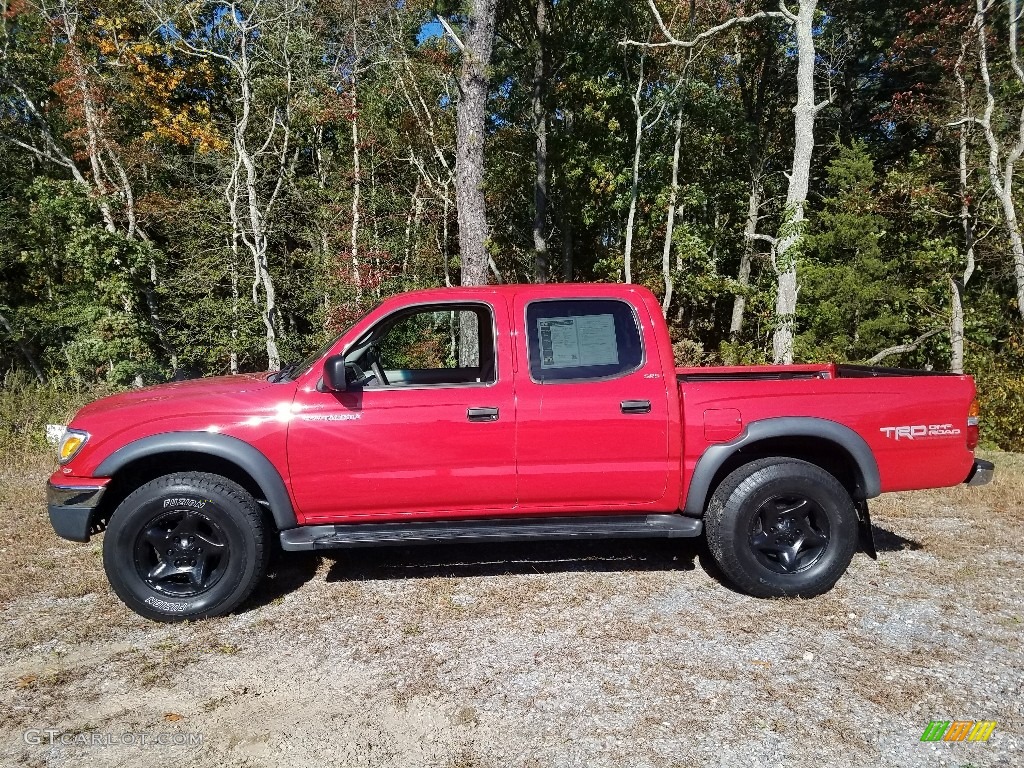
(143, 460)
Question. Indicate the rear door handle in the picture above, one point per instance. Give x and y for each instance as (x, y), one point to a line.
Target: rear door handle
(635, 406)
(482, 414)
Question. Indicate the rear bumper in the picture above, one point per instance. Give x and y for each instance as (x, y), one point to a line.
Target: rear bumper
(71, 509)
(981, 473)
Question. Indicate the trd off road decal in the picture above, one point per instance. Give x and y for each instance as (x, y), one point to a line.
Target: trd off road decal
(919, 430)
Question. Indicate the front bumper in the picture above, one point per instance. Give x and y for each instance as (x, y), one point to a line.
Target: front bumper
(981, 473)
(71, 509)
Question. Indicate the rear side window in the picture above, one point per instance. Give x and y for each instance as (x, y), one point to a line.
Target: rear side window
(574, 339)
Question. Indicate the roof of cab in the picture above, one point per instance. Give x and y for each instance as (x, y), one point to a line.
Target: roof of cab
(561, 290)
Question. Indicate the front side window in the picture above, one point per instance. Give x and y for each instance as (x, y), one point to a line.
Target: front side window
(574, 339)
(434, 345)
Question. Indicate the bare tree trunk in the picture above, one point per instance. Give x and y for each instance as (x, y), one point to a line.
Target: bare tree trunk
(790, 238)
(443, 244)
(233, 358)
(670, 216)
(69, 22)
(412, 220)
(739, 301)
(540, 131)
(627, 253)
(357, 279)
(23, 349)
(469, 138)
(256, 237)
(565, 214)
(1001, 178)
(470, 120)
(567, 242)
(641, 116)
(900, 349)
(957, 286)
(322, 236)
(956, 326)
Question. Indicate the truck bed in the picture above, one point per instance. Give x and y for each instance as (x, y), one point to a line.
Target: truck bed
(914, 422)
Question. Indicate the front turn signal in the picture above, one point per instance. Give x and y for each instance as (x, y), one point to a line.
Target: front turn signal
(71, 444)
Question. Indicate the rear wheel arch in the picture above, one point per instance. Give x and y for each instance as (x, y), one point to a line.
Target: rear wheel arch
(833, 447)
(141, 461)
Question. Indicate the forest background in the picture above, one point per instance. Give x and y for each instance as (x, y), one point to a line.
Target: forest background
(208, 187)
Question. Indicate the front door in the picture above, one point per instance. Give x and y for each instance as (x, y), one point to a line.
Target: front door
(592, 406)
(426, 428)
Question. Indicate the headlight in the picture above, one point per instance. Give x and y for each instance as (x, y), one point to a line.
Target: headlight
(71, 444)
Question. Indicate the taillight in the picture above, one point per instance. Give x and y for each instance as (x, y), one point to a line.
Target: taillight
(973, 414)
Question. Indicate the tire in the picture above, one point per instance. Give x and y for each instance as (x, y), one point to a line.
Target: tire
(781, 527)
(186, 546)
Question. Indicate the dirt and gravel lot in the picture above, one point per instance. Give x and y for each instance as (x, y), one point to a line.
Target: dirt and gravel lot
(610, 654)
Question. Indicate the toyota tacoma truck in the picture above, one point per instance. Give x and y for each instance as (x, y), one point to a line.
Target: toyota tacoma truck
(501, 413)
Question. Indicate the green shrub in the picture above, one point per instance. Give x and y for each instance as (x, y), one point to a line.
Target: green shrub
(1001, 394)
(26, 407)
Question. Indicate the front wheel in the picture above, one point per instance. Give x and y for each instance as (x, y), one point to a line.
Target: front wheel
(782, 527)
(185, 546)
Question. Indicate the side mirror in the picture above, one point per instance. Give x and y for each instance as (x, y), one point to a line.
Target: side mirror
(334, 374)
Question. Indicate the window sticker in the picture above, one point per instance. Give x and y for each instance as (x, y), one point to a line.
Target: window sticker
(570, 342)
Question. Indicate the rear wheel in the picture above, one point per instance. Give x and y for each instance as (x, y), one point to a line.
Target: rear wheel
(185, 546)
(782, 527)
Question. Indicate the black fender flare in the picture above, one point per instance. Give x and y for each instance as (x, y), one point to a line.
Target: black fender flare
(238, 452)
(784, 426)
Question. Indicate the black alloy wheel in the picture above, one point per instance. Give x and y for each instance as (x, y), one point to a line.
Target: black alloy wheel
(186, 546)
(781, 527)
(789, 533)
(183, 553)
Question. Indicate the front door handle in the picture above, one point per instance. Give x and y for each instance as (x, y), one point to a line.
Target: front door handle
(482, 414)
(635, 406)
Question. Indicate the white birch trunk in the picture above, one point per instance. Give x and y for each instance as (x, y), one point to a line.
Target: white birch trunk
(790, 237)
(1001, 169)
(670, 217)
(739, 301)
(958, 286)
(357, 278)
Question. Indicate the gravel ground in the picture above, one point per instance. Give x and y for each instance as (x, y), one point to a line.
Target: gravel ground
(602, 654)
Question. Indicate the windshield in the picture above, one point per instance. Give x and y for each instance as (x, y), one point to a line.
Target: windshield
(302, 367)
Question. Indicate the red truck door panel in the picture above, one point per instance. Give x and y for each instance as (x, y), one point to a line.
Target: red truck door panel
(592, 401)
(437, 438)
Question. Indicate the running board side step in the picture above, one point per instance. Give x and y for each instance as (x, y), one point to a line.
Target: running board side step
(350, 535)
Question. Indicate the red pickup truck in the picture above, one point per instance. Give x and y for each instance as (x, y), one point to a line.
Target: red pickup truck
(501, 413)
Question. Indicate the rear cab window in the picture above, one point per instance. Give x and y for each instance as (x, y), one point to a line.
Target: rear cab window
(582, 340)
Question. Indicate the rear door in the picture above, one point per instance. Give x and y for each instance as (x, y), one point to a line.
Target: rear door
(592, 405)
